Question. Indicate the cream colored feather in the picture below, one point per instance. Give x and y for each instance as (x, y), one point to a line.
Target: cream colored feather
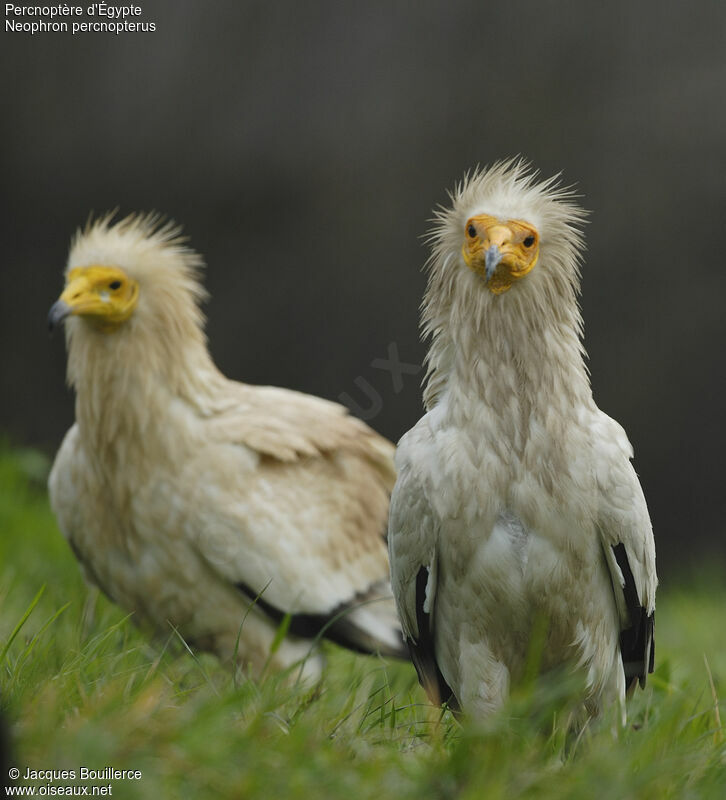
(186, 495)
(516, 500)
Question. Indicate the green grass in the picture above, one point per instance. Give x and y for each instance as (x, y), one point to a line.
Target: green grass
(81, 686)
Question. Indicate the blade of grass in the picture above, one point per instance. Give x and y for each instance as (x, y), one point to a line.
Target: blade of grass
(16, 630)
(31, 644)
(718, 734)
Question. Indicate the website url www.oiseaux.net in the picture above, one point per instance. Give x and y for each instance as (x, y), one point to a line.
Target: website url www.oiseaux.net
(51, 790)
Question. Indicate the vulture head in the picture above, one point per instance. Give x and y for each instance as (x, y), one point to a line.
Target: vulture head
(509, 229)
(131, 308)
(504, 271)
(133, 270)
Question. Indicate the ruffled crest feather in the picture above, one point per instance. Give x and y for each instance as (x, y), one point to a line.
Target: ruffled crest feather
(457, 300)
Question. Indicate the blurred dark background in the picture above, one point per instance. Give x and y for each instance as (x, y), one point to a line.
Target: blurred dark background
(303, 147)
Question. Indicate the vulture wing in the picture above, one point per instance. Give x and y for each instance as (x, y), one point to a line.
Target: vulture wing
(412, 542)
(291, 508)
(629, 547)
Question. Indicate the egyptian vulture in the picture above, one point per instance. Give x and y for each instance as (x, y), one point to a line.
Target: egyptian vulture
(516, 504)
(222, 509)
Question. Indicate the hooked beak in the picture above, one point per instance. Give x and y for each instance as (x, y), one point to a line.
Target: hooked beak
(491, 260)
(58, 312)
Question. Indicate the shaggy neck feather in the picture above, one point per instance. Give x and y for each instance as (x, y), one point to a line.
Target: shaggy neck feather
(129, 381)
(517, 354)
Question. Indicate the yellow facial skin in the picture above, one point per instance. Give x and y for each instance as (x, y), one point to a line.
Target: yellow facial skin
(105, 296)
(500, 251)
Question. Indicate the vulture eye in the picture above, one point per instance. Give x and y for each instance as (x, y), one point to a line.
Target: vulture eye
(529, 241)
(471, 230)
(114, 285)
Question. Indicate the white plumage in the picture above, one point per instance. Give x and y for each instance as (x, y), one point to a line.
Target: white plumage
(198, 501)
(516, 501)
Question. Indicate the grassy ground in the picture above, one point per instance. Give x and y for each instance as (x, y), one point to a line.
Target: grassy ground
(81, 687)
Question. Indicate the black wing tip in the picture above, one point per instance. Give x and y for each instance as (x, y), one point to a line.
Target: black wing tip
(423, 653)
(333, 626)
(429, 676)
(637, 643)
